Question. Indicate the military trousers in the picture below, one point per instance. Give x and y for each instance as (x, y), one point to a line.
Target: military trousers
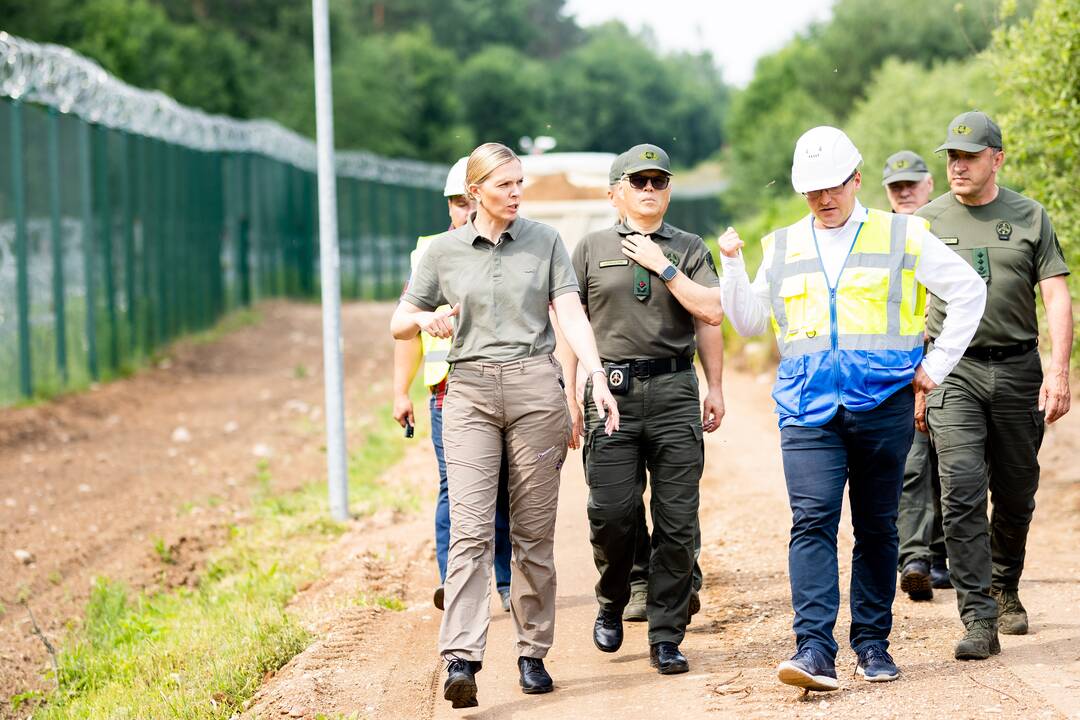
(660, 427)
(639, 573)
(919, 523)
(518, 408)
(987, 428)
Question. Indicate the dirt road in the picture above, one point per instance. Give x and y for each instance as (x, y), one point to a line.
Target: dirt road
(87, 484)
(381, 664)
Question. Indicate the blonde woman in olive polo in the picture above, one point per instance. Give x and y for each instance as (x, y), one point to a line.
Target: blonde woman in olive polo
(500, 273)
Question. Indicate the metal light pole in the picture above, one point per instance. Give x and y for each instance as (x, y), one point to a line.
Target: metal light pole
(329, 262)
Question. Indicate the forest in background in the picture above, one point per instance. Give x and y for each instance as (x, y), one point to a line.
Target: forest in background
(429, 79)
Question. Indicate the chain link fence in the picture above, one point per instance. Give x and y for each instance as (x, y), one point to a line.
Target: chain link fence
(128, 220)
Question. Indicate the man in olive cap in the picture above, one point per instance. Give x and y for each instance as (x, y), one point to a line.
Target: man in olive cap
(908, 183)
(635, 610)
(649, 289)
(987, 418)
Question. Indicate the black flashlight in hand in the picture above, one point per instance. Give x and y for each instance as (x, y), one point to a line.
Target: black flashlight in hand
(408, 428)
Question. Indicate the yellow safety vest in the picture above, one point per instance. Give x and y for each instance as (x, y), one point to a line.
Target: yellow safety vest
(853, 345)
(435, 349)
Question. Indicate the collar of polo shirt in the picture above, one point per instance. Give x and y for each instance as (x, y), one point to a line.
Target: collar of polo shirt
(472, 234)
(665, 231)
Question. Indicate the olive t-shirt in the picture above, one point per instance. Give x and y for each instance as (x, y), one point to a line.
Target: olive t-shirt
(504, 289)
(629, 328)
(1011, 243)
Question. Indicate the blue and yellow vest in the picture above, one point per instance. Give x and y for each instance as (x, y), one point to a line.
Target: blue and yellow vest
(855, 344)
(435, 349)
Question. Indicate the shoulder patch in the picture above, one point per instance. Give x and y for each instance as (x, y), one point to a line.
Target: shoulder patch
(710, 262)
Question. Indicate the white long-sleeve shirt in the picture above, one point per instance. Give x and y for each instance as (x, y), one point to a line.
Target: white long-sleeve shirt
(940, 270)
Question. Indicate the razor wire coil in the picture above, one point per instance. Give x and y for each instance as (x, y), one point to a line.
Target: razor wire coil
(60, 78)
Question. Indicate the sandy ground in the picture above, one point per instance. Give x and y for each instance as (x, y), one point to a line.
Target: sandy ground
(370, 664)
(88, 482)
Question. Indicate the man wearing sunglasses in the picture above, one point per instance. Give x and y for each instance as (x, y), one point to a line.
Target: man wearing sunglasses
(845, 291)
(648, 287)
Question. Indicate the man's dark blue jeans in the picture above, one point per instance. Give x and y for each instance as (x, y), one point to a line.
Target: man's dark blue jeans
(442, 510)
(866, 451)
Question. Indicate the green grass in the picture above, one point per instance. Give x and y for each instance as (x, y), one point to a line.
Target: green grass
(200, 653)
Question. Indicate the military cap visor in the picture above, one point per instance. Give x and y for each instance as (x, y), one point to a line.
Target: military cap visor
(972, 132)
(616, 172)
(646, 157)
(904, 166)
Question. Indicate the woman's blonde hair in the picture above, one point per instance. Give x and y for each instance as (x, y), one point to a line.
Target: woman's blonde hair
(483, 161)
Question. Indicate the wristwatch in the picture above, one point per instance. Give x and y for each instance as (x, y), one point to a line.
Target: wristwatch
(668, 274)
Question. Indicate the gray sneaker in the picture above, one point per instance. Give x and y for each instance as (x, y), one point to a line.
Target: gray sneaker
(1012, 617)
(504, 595)
(635, 609)
(980, 641)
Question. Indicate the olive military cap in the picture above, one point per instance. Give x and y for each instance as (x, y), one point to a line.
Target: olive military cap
(646, 157)
(904, 165)
(972, 132)
(616, 172)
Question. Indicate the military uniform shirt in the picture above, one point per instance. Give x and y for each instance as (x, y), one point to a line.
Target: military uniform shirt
(625, 327)
(504, 289)
(1011, 243)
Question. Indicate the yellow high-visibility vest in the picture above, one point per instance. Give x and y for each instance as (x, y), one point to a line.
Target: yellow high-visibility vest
(855, 344)
(435, 349)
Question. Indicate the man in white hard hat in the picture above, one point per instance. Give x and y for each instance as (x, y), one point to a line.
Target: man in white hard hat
(432, 351)
(845, 291)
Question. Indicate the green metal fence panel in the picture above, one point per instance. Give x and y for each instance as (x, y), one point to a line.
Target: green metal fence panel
(127, 221)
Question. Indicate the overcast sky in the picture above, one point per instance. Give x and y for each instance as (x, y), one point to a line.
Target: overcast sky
(737, 33)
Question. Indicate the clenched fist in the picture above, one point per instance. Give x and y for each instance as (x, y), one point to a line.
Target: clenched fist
(730, 243)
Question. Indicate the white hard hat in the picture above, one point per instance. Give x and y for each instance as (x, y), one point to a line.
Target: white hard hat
(455, 179)
(824, 158)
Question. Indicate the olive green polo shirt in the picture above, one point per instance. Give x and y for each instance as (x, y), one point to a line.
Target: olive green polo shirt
(628, 328)
(504, 288)
(1011, 243)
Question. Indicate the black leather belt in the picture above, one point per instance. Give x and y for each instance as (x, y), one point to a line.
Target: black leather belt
(659, 366)
(1001, 352)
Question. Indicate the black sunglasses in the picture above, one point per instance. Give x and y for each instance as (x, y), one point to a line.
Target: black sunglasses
(638, 182)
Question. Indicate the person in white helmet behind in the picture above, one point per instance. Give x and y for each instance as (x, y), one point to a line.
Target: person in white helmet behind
(844, 290)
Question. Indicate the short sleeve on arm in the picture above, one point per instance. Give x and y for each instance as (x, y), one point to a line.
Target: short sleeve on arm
(1049, 259)
(580, 261)
(424, 290)
(700, 266)
(561, 279)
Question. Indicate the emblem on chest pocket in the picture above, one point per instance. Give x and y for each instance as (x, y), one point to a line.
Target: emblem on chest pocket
(1003, 230)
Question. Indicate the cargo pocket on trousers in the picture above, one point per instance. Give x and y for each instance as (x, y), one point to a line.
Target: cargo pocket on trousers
(935, 401)
(699, 436)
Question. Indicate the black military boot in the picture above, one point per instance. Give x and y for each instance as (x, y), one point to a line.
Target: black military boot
(980, 641)
(939, 575)
(607, 631)
(915, 580)
(666, 658)
(534, 677)
(460, 685)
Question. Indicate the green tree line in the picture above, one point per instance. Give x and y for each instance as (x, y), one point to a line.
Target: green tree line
(892, 73)
(424, 79)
